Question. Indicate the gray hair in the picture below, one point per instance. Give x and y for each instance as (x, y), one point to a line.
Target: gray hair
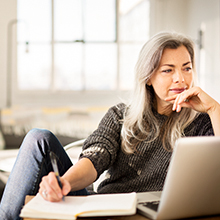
(139, 121)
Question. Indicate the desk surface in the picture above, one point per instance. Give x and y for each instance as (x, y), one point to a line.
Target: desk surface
(133, 217)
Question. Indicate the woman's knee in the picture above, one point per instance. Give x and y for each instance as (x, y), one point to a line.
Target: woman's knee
(39, 133)
(36, 138)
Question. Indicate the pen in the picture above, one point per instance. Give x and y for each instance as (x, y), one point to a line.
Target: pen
(55, 169)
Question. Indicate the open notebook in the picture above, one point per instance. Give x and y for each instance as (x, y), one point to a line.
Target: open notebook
(192, 185)
(83, 206)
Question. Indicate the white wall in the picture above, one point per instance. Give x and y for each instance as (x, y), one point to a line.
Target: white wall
(207, 15)
(168, 15)
(7, 13)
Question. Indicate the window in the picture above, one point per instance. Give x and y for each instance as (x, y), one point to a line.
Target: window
(79, 45)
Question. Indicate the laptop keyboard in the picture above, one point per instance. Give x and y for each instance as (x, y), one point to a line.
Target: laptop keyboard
(152, 205)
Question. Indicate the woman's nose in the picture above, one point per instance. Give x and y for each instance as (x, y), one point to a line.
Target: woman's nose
(178, 77)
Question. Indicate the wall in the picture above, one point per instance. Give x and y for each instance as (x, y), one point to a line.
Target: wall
(168, 15)
(207, 17)
(7, 13)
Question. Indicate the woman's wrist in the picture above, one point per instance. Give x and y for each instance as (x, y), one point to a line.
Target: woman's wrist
(215, 109)
(214, 114)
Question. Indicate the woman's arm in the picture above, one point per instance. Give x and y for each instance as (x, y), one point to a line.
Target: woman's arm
(99, 152)
(79, 176)
(200, 101)
(214, 114)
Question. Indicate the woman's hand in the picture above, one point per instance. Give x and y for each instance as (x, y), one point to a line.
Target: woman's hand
(194, 98)
(50, 189)
(79, 176)
(200, 101)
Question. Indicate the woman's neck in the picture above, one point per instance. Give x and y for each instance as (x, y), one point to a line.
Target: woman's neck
(165, 110)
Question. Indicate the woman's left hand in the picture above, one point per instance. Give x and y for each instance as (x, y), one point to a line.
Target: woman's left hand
(194, 98)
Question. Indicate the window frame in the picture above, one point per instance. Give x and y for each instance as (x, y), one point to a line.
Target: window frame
(105, 97)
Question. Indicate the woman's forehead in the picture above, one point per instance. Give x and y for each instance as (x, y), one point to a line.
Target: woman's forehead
(179, 55)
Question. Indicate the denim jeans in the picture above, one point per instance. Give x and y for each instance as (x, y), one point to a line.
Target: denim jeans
(32, 163)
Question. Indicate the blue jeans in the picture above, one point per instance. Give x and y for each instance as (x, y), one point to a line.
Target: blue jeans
(32, 163)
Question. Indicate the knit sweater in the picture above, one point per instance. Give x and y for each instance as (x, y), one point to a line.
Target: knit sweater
(142, 171)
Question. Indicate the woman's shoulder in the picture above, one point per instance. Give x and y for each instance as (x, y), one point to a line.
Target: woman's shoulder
(119, 108)
(114, 114)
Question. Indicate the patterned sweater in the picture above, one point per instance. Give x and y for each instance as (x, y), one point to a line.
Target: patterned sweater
(139, 172)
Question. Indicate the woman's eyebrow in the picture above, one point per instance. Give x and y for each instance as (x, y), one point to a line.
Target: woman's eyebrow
(186, 63)
(172, 65)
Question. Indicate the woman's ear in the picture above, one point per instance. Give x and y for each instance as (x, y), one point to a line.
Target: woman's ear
(149, 83)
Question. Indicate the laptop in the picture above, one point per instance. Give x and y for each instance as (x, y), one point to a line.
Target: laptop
(192, 185)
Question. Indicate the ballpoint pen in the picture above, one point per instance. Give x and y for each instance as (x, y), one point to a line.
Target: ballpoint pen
(55, 169)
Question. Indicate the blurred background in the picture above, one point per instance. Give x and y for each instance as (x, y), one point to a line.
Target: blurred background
(63, 63)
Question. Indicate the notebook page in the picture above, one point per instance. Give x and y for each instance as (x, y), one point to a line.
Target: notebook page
(69, 206)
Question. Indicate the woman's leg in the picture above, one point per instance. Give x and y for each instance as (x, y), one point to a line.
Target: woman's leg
(32, 163)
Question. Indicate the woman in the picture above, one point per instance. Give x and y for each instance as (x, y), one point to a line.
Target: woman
(133, 142)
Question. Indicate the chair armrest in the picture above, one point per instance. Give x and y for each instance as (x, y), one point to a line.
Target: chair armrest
(78, 143)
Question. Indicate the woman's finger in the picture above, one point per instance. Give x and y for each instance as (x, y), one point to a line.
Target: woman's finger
(49, 188)
(66, 186)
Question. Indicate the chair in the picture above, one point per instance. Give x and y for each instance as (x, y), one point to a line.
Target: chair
(78, 143)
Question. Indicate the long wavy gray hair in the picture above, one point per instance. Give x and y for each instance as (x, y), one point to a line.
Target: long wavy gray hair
(139, 121)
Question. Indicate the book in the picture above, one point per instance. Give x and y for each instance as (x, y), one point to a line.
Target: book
(82, 206)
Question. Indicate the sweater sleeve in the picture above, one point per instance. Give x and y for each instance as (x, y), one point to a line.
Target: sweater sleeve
(102, 145)
(201, 126)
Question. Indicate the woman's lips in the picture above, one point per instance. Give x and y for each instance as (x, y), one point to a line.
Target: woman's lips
(177, 90)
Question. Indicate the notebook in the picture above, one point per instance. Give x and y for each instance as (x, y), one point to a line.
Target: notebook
(192, 185)
(81, 206)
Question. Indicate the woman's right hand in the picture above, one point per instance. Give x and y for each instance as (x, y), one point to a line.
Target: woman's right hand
(50, 189)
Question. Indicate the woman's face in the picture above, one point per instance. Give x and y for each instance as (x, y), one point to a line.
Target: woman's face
(174, 75)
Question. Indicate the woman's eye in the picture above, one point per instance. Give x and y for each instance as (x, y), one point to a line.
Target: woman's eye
(188, 68)
(166, 71)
